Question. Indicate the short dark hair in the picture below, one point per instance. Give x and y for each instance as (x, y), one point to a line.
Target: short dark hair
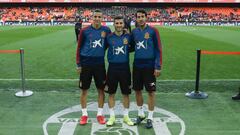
(97, 11)
(117, 18)
(141, 11)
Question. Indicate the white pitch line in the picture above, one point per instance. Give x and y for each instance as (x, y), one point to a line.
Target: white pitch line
(68, 128)
(161, 127)
(181, 80)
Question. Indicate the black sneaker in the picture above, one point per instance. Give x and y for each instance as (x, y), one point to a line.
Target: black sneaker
(139, 120)
(236, 97)
(148, 125)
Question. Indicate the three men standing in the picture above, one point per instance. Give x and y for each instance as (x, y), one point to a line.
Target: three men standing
(145, 40)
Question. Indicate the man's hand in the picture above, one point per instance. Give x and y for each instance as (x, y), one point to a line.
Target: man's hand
(125, 30)
(157, 73)
(79, 69)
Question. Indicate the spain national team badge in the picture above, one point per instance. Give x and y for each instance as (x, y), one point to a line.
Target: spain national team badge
(125, 41)
(146, 36)
(103, 34)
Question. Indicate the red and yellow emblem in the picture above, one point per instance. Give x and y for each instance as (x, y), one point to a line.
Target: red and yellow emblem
(146, 36)
(103, 34)
(125, 41)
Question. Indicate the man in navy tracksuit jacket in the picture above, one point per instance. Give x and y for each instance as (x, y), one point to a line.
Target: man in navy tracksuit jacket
(90, 63)
(119, 46)
(147, 64)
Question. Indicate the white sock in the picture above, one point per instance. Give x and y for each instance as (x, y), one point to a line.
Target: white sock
(111, 111)
(84, 112)
(150, 115)
(140, 111)
(125, 112)
(99, 112)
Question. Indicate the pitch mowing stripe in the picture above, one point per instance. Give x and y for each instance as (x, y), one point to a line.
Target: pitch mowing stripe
(219, 34)
(181, 80)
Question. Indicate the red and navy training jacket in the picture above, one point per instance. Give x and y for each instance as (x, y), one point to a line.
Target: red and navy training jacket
(91, 46)
(148, 48)
(118, 50)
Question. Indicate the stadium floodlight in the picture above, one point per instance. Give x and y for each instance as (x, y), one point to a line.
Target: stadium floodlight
(196, 94)
(23, 93)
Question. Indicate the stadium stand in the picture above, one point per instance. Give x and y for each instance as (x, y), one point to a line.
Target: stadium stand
(155, 14)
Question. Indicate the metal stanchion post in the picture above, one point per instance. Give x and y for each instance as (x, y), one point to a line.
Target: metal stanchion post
(196, 94)
(23, 93)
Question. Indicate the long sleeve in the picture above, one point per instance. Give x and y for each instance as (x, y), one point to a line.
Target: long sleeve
(80, 43)
(107, 43)
(158, 49)
(131, 47)
(108, 32)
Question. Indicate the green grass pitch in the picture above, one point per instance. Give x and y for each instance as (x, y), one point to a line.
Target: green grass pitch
(50, 54)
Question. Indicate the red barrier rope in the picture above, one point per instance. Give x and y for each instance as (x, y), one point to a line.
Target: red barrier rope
(9, 51)
(223, 53)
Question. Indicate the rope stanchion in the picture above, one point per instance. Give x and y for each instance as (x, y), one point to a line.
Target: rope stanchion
(196, 94)
(23, 93)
